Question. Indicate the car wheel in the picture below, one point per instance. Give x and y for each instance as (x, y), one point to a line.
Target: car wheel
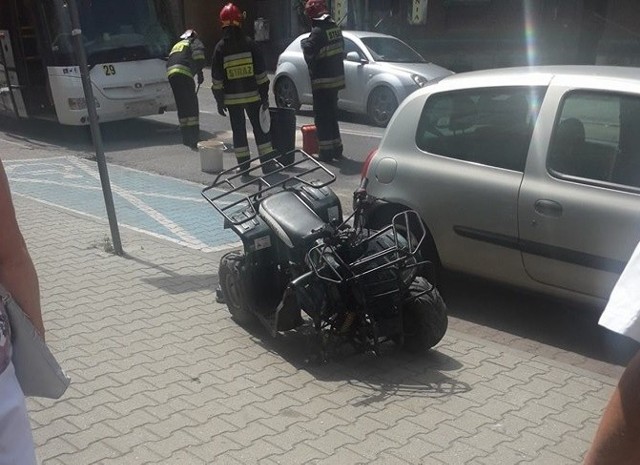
(381, 106)
(286, 94)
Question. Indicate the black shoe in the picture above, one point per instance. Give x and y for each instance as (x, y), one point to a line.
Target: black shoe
(244, 174)
(269, 167)
(325, 155)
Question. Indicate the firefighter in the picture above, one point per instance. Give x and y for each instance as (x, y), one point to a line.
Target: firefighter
(323, 51)
(186, 59)
(239, 85)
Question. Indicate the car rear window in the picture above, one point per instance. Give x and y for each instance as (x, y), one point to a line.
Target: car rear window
(492, 126)
(597, 138)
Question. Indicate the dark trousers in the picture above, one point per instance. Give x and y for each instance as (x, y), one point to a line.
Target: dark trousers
(239, 128)
(184, 93)
(325, 108)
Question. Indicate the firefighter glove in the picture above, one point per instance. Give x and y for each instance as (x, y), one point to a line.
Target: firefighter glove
(222, 110)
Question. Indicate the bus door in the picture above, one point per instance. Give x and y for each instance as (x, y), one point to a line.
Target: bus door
(31, 42)
(11, 102)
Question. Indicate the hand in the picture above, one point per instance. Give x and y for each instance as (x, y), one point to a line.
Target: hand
(200, 78)
(222, 110)
(265, 104)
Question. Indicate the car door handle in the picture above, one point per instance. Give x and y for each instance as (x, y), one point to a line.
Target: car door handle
(548, 208)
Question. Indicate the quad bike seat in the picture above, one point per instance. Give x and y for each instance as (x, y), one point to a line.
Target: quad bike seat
(291, 219)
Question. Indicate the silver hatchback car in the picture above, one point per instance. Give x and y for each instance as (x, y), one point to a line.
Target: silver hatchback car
(380, 71)
(525, 176)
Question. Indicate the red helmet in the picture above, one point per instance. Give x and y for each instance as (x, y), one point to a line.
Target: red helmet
(230, 15)
(315, 8)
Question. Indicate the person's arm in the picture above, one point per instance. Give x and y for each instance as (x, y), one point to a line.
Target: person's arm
(197, 54)
(260, 72)
(617, 440)
(311, 46)
(17, 272)
(217, 79)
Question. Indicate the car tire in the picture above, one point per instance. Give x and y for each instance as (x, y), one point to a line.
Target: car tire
(234, 291)
(424, 317)
(286, 94)
(381, 105)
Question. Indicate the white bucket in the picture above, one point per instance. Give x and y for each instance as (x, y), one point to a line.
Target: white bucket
(211, 155)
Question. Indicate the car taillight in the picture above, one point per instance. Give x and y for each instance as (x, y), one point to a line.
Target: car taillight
(367, 160)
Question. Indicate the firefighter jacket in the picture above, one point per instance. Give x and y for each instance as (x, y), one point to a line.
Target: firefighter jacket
(186, 57)
(324, 53)
(238, 70)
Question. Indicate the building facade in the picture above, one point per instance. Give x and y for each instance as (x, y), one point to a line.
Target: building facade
(458, 34)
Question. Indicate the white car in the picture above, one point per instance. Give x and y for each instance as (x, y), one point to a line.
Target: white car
(380, 72)
(526, 176)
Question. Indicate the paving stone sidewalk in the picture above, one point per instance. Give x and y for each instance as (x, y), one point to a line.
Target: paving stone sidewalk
(162, 375)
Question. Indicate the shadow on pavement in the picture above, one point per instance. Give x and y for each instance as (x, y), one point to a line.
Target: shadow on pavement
(392, 374)
(176, 283)
(562, 325)
(118, 135)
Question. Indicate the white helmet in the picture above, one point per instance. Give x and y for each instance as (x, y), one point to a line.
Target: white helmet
(189, 34)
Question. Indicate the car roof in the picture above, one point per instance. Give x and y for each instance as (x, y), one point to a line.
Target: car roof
(539, 75)
(353, 34)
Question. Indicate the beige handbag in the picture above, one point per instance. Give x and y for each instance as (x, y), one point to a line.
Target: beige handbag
(37, 370)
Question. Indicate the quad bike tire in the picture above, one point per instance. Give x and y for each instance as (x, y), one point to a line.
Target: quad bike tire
(424, 317)
(234, 290)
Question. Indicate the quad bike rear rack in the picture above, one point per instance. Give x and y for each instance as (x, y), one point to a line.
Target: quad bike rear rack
(328, 266)
(236, 197)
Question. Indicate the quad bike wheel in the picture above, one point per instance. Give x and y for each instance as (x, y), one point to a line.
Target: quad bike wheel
(424, 317)
(233, 288)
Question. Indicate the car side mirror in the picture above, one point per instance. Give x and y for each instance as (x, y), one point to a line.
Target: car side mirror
(355, 57)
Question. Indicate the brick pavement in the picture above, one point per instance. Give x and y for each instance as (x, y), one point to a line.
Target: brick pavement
(162, 375)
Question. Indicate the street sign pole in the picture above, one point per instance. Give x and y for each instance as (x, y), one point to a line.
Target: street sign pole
(96, 135)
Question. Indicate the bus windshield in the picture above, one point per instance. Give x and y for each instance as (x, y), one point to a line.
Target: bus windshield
(113, 30)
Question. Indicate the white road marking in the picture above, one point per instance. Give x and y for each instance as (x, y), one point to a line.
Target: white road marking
(184, 235)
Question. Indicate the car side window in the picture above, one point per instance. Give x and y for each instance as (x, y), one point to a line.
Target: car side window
(350, 46)
(596, 138)
(491, 126)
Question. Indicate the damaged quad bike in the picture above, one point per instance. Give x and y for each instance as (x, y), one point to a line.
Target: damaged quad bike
(300, 257)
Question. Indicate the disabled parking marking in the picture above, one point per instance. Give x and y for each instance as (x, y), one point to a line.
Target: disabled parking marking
(161, 206)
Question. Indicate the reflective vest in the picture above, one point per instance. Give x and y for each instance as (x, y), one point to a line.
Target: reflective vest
(186, 57)
(238, 71)
(324, 53)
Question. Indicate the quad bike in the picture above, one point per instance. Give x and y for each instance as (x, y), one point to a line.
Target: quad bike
(300, 257)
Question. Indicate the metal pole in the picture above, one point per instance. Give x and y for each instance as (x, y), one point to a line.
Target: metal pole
(96, 135)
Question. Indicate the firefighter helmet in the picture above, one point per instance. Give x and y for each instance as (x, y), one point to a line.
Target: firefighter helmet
(230, 15)
(189, 34)
(315, 8)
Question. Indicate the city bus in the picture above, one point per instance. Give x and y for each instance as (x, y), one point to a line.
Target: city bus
(126, 44)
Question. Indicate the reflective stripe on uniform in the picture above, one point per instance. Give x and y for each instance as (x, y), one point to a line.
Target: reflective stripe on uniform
(179, 69)
(242, 153)
(179, 46)
(265, 148)
(262, 78)
(330, 50)
(217, 85)
(329, 144)
(238, 66)
(328, 83)
(241, 98)
(189, 121)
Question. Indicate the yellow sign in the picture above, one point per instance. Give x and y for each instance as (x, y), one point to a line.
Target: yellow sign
(239, 72)
(418, 12)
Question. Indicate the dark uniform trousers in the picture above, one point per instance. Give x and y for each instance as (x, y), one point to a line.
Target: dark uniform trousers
(325, 106)
(239, 128)
(184, 92)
